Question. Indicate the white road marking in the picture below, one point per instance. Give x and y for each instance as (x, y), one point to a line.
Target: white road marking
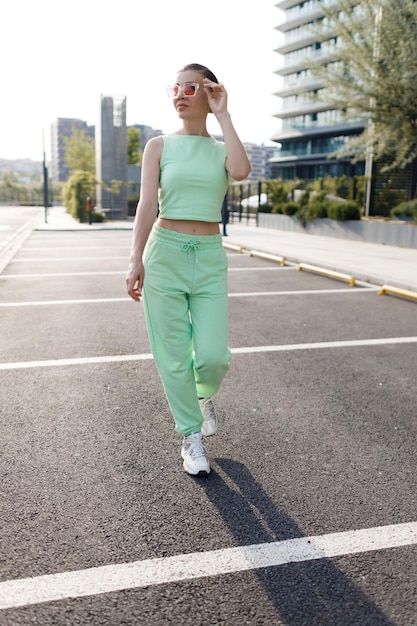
(358, 343)
(70, 258)
(66, 302)
(165, 570)
(109, 273)
(254, 294)
(301, 292)
(76, 249)
(59, 275)
(326, 344)
(272, 268)
(94, 360)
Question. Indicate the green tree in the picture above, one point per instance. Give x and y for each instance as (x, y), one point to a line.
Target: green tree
(80, 152)
(78, 187)
(372, 75)
(134, 153)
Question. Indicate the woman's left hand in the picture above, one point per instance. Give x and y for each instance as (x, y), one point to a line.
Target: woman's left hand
(216, 95)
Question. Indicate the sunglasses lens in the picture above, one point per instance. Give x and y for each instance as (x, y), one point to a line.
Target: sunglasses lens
(189, 89)
(173, 91)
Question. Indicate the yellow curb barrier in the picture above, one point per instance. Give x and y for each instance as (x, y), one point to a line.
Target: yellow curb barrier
(320, 270)
(405, 293)
(269, 257)
(231, 246)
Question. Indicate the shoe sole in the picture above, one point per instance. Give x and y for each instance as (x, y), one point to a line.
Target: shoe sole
(199, 473)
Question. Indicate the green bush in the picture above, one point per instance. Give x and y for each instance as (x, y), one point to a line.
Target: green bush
(304, 198)
(265, 208)
(290, 208)
(343, 211)
(317, 208)
(314, 209)
(96, 216)
(405, 210)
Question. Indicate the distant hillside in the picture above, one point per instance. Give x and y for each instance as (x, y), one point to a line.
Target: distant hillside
(21, 166)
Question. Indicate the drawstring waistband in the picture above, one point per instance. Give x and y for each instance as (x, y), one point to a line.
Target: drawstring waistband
(191, 245)
(186, 242)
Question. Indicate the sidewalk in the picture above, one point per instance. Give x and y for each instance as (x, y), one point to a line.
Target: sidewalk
(375, 263)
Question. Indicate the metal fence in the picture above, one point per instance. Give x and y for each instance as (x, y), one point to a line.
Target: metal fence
(243, 201)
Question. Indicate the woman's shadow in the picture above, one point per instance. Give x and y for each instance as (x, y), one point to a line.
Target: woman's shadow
(314, 593)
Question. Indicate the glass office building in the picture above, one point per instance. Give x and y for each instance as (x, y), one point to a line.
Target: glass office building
(310, 129)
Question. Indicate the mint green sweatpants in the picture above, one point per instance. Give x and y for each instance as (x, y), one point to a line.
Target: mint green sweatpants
(185, 301)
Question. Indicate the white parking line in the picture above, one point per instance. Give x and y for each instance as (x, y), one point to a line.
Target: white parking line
(322, 345)
(30, 248)
(249, 294)
(70, 258)
(66, 302)
(59, 275)
(120, 272)
(158, 571)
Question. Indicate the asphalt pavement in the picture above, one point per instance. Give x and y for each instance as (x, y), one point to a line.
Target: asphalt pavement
(308, 517)
(375, 263)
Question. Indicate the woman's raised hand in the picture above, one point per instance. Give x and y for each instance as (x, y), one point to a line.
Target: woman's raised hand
(216, 95)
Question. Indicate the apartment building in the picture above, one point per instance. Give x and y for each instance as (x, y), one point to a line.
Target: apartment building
(62, 129)
(259, 156)
(310, 130)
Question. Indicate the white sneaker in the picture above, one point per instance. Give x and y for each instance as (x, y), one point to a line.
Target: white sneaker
(210, 419)
(194, 455)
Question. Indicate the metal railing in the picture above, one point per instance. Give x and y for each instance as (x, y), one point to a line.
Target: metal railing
(243, 201)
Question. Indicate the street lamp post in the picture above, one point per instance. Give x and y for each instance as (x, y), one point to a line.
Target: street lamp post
(45, 183)
(369, 161)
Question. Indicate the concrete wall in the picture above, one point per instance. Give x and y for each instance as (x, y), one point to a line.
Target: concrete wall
(400, 234)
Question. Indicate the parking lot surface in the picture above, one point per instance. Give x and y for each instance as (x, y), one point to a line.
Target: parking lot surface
(309, 513)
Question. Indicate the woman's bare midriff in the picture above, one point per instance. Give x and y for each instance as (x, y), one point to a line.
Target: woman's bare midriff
(189, 227)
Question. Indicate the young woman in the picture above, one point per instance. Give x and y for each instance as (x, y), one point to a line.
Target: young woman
(183, 274)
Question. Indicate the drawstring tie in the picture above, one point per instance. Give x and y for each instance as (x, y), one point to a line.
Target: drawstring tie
(191, 245)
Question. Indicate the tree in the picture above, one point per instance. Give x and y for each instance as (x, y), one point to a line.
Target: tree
(78, 187)
(80, 152)
(134, 153)
(372, 76)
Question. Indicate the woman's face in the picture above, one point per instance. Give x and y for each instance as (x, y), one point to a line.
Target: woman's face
(190, 106)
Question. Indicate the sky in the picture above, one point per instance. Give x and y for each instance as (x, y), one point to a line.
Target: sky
(58, 57)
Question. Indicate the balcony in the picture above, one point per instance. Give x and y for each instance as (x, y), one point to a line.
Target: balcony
(311, 128)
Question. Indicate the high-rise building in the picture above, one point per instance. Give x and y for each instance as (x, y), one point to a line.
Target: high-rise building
(311, 129)
(62, 129)
(259, 157)
(111, 157)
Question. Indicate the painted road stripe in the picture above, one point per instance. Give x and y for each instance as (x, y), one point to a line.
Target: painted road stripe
(66, 302)
(245, 350)
(70, 258)
(159, 571)
(251, 294)
(326, 344)
(30, 248)
(118, 258)
(120, 272)
(59, 275)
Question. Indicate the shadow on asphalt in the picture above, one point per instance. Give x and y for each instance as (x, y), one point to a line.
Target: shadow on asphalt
(313, 593)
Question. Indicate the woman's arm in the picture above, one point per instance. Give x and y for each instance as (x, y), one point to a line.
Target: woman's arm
(146, 213)
(237, 162)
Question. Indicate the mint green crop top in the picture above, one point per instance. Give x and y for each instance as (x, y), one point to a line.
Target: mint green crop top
(193, 178)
